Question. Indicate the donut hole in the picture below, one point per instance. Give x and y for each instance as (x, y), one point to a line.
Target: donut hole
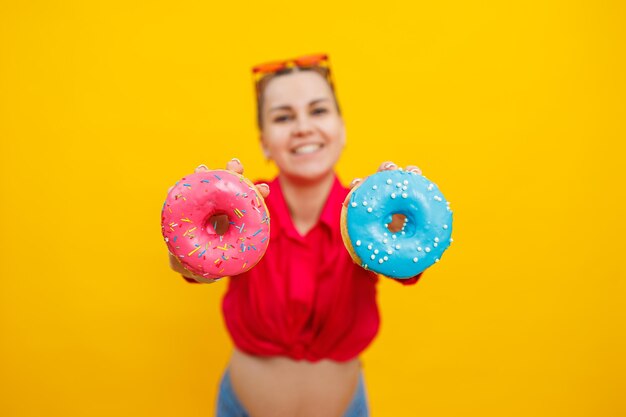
(218, 224)
(397, 222)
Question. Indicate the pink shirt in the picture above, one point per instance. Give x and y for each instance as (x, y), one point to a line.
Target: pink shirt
(306, 298)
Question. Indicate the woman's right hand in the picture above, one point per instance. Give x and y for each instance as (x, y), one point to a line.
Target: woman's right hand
(236, 166)
(221, 223)
(187, 274)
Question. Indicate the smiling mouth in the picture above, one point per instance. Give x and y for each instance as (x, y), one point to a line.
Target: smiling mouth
(307, 149)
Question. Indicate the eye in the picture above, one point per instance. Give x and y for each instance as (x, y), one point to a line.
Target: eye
(320, 110)
(282, 118)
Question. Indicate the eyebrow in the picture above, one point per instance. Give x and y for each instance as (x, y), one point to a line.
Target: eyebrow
(286, 107)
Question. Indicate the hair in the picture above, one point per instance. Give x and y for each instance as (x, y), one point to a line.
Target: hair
(262, 84)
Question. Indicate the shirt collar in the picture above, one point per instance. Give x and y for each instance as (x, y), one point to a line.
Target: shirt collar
(330, 215)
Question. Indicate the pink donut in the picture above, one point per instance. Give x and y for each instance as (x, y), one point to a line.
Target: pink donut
(193, 241)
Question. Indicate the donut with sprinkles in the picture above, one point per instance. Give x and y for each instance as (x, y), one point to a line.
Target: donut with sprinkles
(370, 207)
(187, 230)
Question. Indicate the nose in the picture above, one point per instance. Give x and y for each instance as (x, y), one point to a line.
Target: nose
(302, 127)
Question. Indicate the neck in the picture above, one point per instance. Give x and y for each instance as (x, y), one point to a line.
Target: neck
(305, 200)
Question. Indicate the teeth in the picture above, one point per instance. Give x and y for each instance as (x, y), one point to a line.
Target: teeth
(304, 149)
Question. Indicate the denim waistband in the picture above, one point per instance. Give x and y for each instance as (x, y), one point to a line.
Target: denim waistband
(228, 405)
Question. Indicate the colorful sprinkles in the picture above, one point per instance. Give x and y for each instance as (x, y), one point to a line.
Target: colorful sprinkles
(243, 244)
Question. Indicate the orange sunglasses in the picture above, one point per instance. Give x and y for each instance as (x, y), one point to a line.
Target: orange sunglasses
(302, 62)
(306, 61)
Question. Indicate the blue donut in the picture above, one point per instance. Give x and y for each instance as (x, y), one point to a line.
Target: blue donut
(422, 240)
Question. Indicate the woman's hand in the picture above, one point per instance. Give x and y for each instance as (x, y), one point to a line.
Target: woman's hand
(236, 166)
(220, 223)
(187, 274)
(397, 219)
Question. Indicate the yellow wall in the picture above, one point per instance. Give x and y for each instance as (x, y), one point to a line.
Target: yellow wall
(516, 110)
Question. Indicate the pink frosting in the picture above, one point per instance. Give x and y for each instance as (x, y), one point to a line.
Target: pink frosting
(189, 236)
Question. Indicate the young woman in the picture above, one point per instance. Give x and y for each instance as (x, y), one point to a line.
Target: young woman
(300, 318)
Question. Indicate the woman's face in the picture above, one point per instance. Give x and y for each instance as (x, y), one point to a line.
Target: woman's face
(302, 131)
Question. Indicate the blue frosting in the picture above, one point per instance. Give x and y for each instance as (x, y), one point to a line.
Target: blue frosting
(427, 229)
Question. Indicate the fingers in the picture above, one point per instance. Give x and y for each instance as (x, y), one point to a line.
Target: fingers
(390, 166)
(345, 201)
(235, 165)
(387, 166)
(413, 168)
(177, 266)
(355, 182)
(202, 279)
(201, 168)
(197, 279)
(264, 189)
(232, 165)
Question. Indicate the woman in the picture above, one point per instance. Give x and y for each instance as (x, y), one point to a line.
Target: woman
(300, 317)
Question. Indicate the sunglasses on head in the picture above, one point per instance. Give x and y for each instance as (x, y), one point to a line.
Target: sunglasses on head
(300, 62)
(307, 61)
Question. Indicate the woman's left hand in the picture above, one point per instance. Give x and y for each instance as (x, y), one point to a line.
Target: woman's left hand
(385, 166)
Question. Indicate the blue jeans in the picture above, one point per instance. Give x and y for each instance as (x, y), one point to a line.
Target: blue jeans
(228, 404)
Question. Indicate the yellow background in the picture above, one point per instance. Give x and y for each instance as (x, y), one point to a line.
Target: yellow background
(515, 109)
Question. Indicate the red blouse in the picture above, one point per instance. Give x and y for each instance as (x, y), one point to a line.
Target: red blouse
(306, 298)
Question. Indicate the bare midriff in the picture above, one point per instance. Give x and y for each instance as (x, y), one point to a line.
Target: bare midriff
(279, 386)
